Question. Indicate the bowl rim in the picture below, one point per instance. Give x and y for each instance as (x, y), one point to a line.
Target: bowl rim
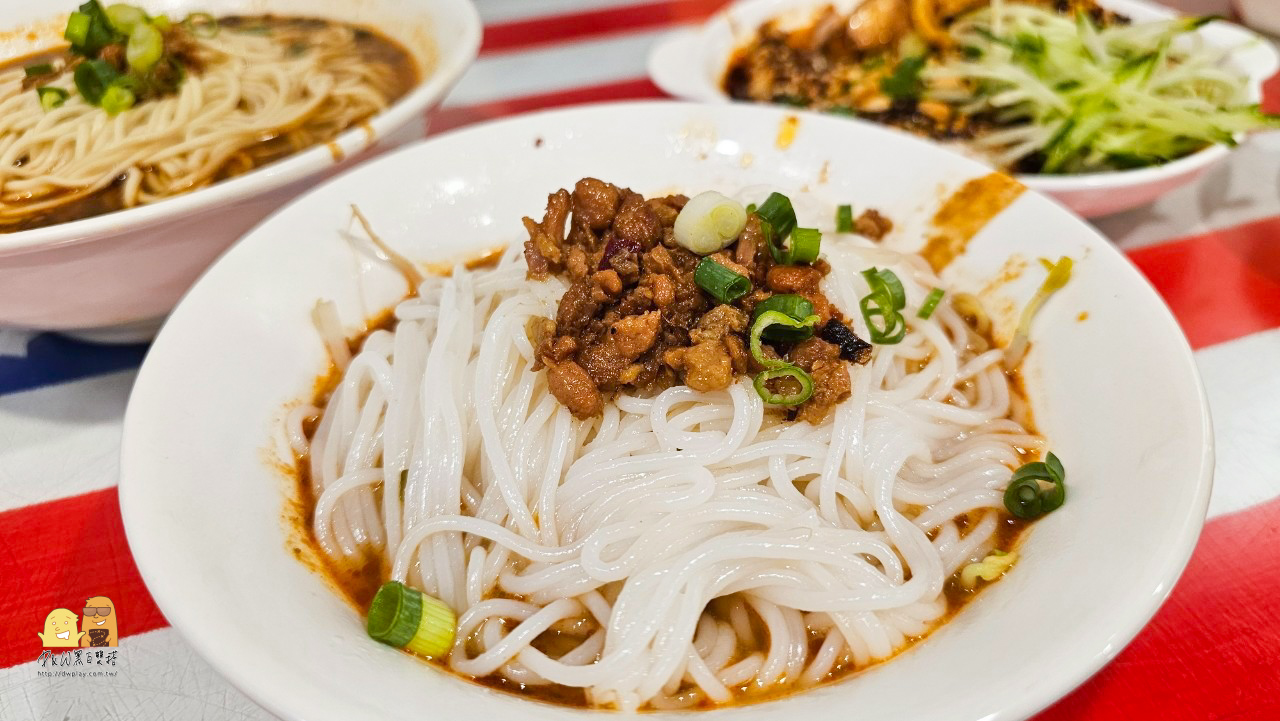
(152, 562)
(1266, 67)
(430, 89)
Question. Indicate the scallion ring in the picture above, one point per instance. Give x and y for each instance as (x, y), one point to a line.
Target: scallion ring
(784, 399)
(844, 219)
(124, 18)
(202, 25)
(882, 308)
(719, 282)
(795, 307)
(51, 97)
(1036, 489)
(117, 99)
(92, 78)
(145, 47)
(35, 71)
(776, 210)
(77, 31)
(407, 618)
(930, 303)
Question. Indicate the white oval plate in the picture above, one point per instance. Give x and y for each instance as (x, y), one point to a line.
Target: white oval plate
(1117, 395)
(690, 64)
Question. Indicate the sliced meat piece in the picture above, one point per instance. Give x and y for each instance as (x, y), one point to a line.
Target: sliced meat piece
(872, 224)
(719, 322)
(707, 366)
(543, 251)
(571, 385)
(577, 309)
(595, 202)
(637, 223)
(635, 334)
(831, 385)
(808, 352)
(603, 364)
(793, 279)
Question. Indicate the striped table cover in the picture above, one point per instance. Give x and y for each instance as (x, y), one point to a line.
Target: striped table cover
(1211, 249)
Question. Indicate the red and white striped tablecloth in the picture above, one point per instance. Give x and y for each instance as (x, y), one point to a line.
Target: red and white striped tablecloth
(1211, 249)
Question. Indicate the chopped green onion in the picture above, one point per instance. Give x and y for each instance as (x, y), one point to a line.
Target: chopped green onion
(763, 322)
(51, 97)
(844, 219)
(805, 245)
(77, 29)
(904, 82)
(930, 303)
(89, 30)
(721, 283)
(124, 18)
(1036, 488)
(1059, 274)
(796, 307)
(202, 25)
(145, 47)
(776, 210)
(162, 22)
(118, 98)
(784, 399)
(885, 302)
(988, 569)
(35, 71)
(407, 618)
(92, 79)
(709, 222)
(751, 208)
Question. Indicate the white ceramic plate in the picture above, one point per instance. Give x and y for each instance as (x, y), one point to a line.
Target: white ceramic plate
(691, 63)
(1117, 395)
(114, 276)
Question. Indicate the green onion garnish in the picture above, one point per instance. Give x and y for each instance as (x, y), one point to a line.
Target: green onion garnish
(930, 303)
(51, 97)
(162, 22)
(784, 399)
(92, 79)
(805, 244)
(202, 25)
(721, 283)
(1059, 274)
(89, 30)
(1036, 489)
(904, 82)
(776, 210)
(145, 47)
(844, 219)
(118, 98)
(124, 18)
(407, 618)
(885, 303)
(35, 71)
(796, 307)
(751, 208)
(77, 30)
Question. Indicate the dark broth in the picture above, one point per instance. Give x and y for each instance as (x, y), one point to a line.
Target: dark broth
(372, 46)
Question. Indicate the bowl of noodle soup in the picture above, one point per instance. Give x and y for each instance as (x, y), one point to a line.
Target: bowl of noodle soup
(633, 510)
(107, 217)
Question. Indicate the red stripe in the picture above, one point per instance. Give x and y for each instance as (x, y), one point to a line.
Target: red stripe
(1213, 650)
(520, 34)
(1221, 285)
(59, 554)
(633, 89)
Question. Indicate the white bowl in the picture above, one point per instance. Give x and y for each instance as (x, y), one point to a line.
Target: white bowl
(1261, 14)
(203, 497)
(691, 63)
(113, 277)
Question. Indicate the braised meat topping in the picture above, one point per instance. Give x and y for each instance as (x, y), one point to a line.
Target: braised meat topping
(635, 320)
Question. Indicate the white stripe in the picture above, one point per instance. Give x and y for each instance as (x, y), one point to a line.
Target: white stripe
(1243, 387)
(158, 678)
(499, 11)
(61, 440)
(555, 67)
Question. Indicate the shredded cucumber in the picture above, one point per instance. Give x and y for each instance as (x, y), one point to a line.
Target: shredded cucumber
(1068, 96)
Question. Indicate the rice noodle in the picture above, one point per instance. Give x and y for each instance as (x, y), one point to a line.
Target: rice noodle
(627, 526)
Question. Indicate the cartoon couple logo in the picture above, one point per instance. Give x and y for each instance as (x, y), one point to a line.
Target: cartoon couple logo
(98, 629)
